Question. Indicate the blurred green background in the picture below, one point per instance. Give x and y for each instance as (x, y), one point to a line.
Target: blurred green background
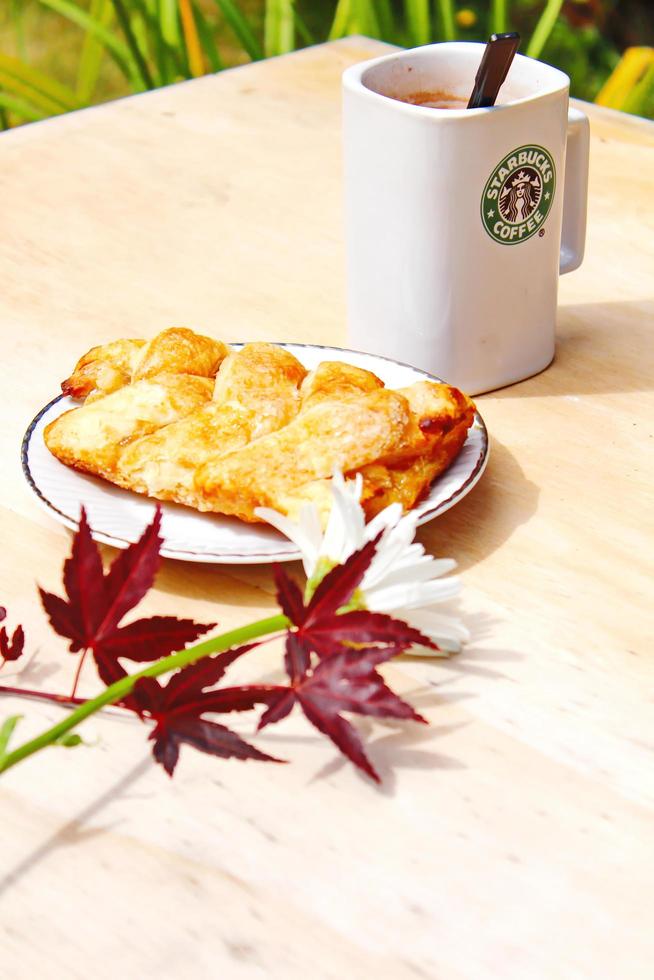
(57, 55)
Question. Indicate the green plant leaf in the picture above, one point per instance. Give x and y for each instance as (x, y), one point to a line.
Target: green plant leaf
(498, 20)
(365, 15)
(122, 15)
(6, 731)
(341, 22)
(640, 99)
(241, 28)
(167, 58)
(139, 27)
(279, 28)
(169, 22)
(17, 17)
(446, 14)
(418, 21)
(23, 108)
(44, 92)
(359, 17)
(18, 90)
(543, 28)
(90, 60)
(116, 48)
(386, 20)
(207, 39)
(302, 29)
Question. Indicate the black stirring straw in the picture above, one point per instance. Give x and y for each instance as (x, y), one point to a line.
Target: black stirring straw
(495, 63)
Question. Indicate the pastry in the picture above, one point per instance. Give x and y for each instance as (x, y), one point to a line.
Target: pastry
(91, 438)
(256, 392)
(441, 416)
(345, 433)
(177, 350)
(185, 418)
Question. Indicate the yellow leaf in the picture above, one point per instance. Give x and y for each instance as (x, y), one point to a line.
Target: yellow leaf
(629, 71)
(193, 46)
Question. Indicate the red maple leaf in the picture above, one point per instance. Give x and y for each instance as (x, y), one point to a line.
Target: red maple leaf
(97, 601)
(177, 711)
(10, 649)
(349, 646)
(321, 628)
(345, 681)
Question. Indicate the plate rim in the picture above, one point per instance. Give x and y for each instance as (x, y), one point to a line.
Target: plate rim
(251, 558)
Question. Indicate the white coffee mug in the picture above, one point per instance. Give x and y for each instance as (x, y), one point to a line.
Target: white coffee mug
(454, 216)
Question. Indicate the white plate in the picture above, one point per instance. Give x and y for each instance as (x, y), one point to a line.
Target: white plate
(118, 516)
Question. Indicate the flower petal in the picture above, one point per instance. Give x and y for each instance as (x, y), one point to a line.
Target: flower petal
(412, 595)
(423, 570)
(402, 579)
(305, 534)
(344, 533)
(388, 517)
(447, 631)
(394, 544)
(439, 624)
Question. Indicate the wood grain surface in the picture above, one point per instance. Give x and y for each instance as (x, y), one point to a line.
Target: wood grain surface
(512, 839)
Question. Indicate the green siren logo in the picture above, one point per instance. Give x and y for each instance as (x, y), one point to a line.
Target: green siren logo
(518, 195)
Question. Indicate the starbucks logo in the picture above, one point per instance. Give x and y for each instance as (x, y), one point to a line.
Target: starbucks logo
(518, 195)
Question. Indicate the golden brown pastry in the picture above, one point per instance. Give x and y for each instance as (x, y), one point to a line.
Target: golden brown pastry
(441, 417)
(92, 437)
(103, 369)
(179, 350)
(256, 392)
(444, 415)
(331, 383)
(341, 432)
(264, 433)
(174, 351)
(333, 379)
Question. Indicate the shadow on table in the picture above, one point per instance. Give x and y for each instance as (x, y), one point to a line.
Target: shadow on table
(475, 660)
(410, 746)
(76, 829)
(405, 746)
(222, 583)
(502, 500)
(600, 348)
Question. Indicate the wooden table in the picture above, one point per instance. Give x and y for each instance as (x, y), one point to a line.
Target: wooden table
(515, 837)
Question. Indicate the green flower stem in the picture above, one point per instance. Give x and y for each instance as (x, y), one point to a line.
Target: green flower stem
(216, 644)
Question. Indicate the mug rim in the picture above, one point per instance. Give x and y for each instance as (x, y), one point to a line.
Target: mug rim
(353, 81)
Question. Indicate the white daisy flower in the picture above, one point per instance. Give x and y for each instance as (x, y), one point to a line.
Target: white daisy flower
(402, 579)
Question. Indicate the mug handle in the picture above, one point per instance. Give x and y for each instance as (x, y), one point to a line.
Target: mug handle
(575, 192)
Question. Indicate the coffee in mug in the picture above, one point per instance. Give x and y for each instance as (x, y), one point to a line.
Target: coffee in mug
(432, 100)
(459, 221)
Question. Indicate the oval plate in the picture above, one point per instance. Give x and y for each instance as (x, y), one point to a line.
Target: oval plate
(119, 516)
